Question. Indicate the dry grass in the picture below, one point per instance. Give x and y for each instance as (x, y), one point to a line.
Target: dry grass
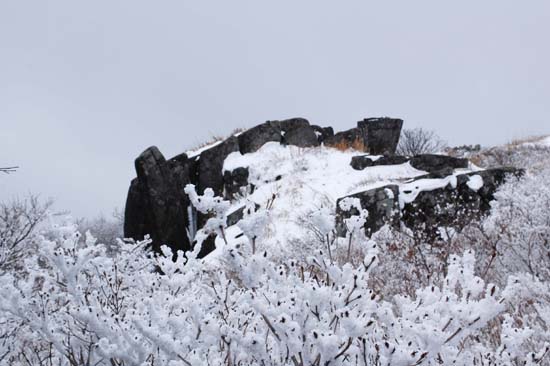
(344, 145)
(212, 140)
(530, 139)
(477, 160)
(215, 138)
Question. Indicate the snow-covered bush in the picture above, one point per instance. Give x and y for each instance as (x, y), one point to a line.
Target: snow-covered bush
(514, 239)
(80, 307)
(215, 208)
(105, 229)
(19, 220)
(379, 301)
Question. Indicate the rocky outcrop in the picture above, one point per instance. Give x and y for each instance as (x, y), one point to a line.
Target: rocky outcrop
(301, 136)
(433, 163)
(323, 133)
(364, 161)
(452, 205)
(455, 207)
(381, 203)
(288, 124)
(380, 135)
(251, 140)
(210, 165)
(376, 136)
(156, 204)
(235, 181)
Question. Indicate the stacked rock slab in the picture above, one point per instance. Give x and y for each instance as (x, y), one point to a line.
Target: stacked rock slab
(381, 135)
(449, 206)
(376, 136)
(381, 204)
(431, 163)
(157, 205)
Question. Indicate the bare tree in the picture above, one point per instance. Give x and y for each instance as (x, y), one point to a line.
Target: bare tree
(19, 220)
(418, 141)
(8, 169)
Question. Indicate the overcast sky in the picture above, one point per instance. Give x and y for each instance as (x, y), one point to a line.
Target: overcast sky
(85, 86)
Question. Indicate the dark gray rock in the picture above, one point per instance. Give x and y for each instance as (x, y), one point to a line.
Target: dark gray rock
(492, 179)
(291, 123)
(135, 220)
(436, 174)
(234, 181)
(156, 204)
(432, 162)
(210, 165)
(234, 217)
(253, 139)
(442, 207)
(380, 135)
(454, 207)
(301, 136)
(322, 133)
(208, 246)
(363, 161)
(382, 205)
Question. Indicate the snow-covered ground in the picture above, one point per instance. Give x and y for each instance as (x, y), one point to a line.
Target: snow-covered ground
(297, 183)
(476, 297)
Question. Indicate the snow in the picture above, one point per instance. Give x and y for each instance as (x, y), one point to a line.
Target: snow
(301, 181)
(280, 307)
(540, 142)
(475, 182)
(409, 191)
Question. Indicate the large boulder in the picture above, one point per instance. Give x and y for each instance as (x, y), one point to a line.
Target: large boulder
(136, 224)
(253, 139)
(210, 165)
(455, 206)
(364, 161)
(380, 135)
(291, 123)
(156, 204)
(433, 163)
(382, 205)
(301, 136)
(323, 133)
(235, 181)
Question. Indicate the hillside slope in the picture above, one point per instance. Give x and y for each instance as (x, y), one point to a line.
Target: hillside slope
(323, 255)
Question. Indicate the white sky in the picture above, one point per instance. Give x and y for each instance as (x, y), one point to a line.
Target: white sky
(86, 86)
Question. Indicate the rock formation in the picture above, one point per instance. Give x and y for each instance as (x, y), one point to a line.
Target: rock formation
(464, 198)
(157, 205)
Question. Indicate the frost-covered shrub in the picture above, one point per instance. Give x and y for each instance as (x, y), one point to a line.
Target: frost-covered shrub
(106, 229)
(383, 301)
(80, 307)
(213, 207)
(514, 239)
(19, 221)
